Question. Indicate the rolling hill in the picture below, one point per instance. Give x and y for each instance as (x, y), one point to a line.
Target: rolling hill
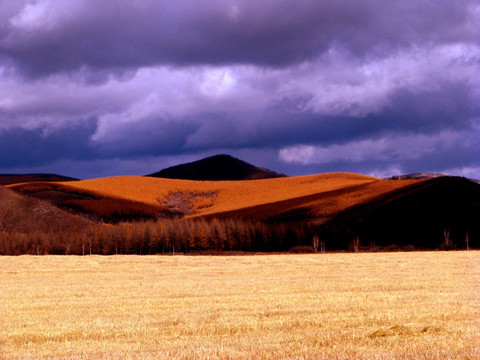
(315, 208)
(92, 204)
(8, 179)
(26, 215)
(215, 168)
(193, 198)
(423, 215)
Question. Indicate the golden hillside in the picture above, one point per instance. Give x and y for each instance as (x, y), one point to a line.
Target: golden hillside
(318, 206)
(207, 197)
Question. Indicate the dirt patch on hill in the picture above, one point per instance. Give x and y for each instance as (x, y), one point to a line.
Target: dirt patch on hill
(183, 204)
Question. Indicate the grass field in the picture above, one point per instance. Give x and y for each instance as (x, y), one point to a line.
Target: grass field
(420, 305)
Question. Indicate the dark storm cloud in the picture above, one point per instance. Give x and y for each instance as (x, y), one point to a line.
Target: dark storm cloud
(23, 148)
(48, 37)
(426, 112)
(146, 138)
(452, 150)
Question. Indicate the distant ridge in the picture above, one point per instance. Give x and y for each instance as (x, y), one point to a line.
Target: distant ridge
(423, 176)
(416, 176)
(8, 179)
(217, 167)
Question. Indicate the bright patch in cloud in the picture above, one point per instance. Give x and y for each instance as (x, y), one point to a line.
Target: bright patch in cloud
(389, 148)
(33, 16)
(217, 82)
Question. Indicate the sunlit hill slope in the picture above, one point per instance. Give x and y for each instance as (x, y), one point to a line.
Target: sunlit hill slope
(187, 197)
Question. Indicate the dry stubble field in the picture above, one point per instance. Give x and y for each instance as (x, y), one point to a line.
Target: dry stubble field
(334, 306)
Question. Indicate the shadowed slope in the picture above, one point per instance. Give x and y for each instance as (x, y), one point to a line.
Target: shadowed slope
(422, 214)
(315, 208)
(218, 167)
(21, 214)
(92, 204)
(8, 179)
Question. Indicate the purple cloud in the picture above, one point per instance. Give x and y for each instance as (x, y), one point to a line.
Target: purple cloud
(46, 37)
(267, 80)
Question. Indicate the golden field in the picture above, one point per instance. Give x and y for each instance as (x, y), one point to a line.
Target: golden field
(216, 196)
(420, 305)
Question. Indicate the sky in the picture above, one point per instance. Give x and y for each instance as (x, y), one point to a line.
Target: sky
(104, 88)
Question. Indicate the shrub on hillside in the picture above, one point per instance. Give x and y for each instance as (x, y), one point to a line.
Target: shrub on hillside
(301, 249)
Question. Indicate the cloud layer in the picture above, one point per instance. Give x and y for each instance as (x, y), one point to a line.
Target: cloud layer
(300, 87)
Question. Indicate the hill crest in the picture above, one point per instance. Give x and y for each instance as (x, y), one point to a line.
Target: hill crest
(216, 168)
(9, 179)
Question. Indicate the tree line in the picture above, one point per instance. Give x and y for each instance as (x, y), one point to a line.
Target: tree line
(159, 237)
(225, 235)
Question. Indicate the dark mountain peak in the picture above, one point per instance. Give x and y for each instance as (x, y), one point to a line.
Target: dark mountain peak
(217, 167)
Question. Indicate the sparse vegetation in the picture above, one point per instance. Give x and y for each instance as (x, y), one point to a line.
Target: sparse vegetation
(401, 306)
